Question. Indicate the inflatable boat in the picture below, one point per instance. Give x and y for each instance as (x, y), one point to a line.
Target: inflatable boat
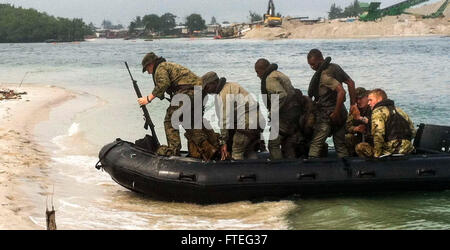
(185, 179)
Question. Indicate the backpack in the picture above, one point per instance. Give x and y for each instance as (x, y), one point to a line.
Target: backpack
(397, 127)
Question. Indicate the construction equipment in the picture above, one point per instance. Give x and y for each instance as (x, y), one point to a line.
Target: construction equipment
(373, 11)
(270, 18)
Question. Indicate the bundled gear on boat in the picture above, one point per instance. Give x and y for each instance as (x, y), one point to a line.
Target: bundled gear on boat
(207, 149)
(148, 143)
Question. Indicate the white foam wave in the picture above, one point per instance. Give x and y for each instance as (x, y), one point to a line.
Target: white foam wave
(59, 140)
(76, 160)
(81, 169)
(74, 128)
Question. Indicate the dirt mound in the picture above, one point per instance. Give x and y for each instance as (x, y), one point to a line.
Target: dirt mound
(391, 26)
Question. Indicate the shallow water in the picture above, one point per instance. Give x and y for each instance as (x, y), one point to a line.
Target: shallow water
(413, 71)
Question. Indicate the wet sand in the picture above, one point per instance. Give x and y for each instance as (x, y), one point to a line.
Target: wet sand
(22, 160)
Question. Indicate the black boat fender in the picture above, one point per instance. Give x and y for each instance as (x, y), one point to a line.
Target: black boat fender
(105, 150)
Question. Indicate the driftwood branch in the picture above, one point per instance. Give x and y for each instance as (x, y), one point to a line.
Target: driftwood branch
(10, 94)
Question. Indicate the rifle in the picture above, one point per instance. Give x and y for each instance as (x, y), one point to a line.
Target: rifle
(148, 120)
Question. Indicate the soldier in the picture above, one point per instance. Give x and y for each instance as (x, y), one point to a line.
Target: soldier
(358, 122)
(273, 82)
(392, 129)
(240, 138)
(329, 97)
(174, 79)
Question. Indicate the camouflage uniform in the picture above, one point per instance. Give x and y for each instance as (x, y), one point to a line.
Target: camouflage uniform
(176, 79)
(289, 136)
(325, 105)
(381, 147)
(351, 138)
(241, 140)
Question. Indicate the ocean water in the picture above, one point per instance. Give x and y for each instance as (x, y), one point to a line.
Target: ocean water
(414, 72)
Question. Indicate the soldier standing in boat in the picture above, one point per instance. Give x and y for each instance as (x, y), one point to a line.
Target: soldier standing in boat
(274, 82)
(392, 129)
(358, 122)
(240, 134)
(329, 97)
(174, 79)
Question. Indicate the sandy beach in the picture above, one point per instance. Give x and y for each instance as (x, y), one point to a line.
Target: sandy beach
(22, 159)
(401, 26)
(405, 25)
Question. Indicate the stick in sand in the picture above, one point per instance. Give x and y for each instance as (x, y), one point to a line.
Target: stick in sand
(23, 78)
(51, 215)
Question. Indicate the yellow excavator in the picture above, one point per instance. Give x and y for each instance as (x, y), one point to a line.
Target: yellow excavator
(270, 19)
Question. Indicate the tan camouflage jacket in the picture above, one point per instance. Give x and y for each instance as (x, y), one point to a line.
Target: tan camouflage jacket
(171, 75)
(379, 118)
(279, 83)
(233, 90)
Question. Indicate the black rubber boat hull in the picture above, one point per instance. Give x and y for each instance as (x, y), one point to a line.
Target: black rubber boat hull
(188, 180)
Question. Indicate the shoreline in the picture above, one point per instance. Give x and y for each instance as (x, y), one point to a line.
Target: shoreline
(23, 160)
(352, 37)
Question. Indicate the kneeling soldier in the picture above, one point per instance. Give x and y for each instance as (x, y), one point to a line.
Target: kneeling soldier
(358, 122)
(392, 129)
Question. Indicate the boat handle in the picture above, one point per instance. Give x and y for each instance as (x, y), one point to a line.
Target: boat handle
(361, 173)
(187, 177)
(244, 177)
(422, 172)
(309, 175)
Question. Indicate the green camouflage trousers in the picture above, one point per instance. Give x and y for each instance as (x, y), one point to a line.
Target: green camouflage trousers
(173, 134)
(284, 146)
(364, 149)
(243, 146)
(322, 129)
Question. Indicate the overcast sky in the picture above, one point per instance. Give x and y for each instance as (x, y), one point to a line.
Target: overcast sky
(124, 11)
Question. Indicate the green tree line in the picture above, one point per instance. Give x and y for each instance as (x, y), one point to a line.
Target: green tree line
(353, 10)
(164, 24)
(29, 25)
(154, 23)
